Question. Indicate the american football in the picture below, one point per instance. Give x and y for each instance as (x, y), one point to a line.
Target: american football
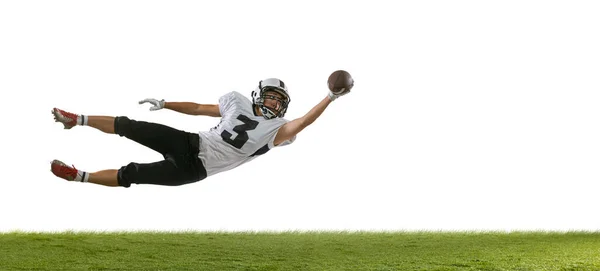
(340, 81)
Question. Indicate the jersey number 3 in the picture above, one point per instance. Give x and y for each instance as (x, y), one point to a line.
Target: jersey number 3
(241, 129)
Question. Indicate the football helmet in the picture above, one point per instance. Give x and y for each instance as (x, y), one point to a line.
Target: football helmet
(258, 97)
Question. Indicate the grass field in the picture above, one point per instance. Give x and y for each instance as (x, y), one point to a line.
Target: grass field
(301, 251)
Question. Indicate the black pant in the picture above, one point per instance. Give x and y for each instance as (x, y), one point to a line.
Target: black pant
(179, 148)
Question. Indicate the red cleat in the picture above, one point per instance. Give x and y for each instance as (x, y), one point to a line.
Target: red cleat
(67, 119)
(61, 170)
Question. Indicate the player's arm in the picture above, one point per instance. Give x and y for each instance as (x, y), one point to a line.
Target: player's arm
(292, 128)
(188, 108)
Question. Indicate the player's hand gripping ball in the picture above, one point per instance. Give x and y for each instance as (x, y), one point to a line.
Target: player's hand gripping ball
(340, 82)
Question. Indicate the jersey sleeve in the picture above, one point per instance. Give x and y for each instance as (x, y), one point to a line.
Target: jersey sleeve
(284, 143)
(288, 142)
(227, 103)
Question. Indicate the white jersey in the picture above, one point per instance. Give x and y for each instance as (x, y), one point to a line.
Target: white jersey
(240, 137)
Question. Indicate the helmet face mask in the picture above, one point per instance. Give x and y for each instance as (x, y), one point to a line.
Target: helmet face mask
(261, 94)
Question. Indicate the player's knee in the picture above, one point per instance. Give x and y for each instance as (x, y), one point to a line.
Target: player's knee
(123, 125)
(126, 174)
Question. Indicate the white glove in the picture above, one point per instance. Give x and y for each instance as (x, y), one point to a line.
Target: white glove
(157, 104)
(338, 94)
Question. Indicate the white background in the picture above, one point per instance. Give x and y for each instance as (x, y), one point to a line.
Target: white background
(465, 115)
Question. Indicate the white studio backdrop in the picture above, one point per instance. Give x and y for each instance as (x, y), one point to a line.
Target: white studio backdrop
(465, 115)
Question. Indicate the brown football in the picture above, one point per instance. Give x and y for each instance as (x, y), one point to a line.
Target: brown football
(340, 81)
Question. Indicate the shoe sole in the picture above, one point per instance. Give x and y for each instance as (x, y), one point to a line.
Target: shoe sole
(58, 116)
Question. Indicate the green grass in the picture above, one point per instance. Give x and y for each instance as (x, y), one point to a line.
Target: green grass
(301, 251)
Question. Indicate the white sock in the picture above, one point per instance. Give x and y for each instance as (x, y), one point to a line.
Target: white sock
(82, 120)
(82, 176)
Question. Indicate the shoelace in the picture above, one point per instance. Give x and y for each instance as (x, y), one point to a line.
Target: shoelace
(66, 170)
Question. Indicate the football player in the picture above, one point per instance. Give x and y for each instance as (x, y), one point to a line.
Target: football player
(247, 129)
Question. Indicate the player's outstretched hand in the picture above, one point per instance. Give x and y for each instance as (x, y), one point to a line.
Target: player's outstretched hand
(340, 83)
(334, 96)
(157, 104)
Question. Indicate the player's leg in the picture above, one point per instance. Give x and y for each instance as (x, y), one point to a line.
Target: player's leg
(69, 120)
(161, 138)
(103, 123)
(182, 164)
(165, 172)
(70, 173)
(106, 177)
(178, 168)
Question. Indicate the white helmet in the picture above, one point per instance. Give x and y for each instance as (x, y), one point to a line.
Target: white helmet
(258, 97)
